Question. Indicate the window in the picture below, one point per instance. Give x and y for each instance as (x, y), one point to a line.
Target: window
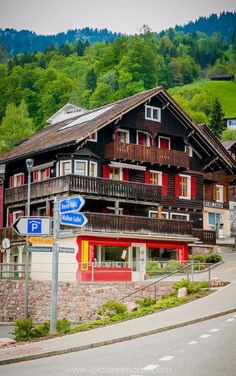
(152, 113)
(214, 219)
(156, 178)
(219, 193)
(154, 214)
(65, 168)
(143, 138)
(164, 143)
(93, 137)
(189, 149)
(41, 174)
(115, 173)
(179, 216)
(81, 168)
(93, 169)
(17, 180)
(122, 136)
(232, 123)
(184, 186)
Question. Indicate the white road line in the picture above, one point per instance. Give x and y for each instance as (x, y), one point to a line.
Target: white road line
(151, 367)
(205, 336)
(192, 343)
(166, 358)
(229, 320)
(214, 330)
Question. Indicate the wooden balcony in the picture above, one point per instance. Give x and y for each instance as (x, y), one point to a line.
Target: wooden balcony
(205, 236)
(85, 185)
(136, 225)
(140, 153)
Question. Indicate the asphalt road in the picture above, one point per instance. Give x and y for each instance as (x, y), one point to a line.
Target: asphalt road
(203, 349)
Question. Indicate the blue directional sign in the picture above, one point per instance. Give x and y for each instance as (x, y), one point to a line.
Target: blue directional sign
(73, 219)
(32, 226)
(71, 204)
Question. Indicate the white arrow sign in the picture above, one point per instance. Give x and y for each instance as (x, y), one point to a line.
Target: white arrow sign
(32, 226)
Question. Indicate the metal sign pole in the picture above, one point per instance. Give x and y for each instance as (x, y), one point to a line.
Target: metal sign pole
(55, 260)
(26, 295)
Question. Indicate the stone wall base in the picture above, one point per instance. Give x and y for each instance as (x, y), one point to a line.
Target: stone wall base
(76, 301)
(203, 249)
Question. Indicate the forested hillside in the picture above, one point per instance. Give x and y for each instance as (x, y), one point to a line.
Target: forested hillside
(37, 84)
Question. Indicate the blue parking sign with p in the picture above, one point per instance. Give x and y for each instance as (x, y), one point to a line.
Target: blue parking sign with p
(34, 226)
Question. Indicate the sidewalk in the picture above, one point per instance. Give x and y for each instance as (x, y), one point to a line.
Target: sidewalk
(219, 303)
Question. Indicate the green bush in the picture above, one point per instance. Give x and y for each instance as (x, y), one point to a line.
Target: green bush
(213, 257)
(147, 302)
(63, 326)
(171, 266)
(41, 330)
(203, 284)
(201, 258)
(152, 268)
(23, 329)
(112, 308)
(190, 286)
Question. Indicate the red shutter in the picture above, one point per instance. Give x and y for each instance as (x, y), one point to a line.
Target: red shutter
(165, 184)
(10, 219)
(11, 181)
(140, 138)
(193, 187)
(105, 210)
(147, 177)
(106, 171)
(35, 176)
(164, 143)
(125, 174)
(22, 179)
(48, 173)
(177, 185)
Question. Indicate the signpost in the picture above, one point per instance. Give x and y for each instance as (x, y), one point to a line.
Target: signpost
(30, 248)
(71, 204)
(32, 226)
(73, 219)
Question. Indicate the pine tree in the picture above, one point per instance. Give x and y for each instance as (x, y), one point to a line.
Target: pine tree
(16, 125)
(216, 120)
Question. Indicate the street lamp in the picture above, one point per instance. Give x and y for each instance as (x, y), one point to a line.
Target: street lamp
(29, 166)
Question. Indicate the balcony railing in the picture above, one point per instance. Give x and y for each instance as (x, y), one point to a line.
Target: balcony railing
(133, 152)
(205, 236)
(136, 225)
(85, 185)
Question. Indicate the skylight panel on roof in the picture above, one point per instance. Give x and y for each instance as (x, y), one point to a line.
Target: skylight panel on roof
(87, 117)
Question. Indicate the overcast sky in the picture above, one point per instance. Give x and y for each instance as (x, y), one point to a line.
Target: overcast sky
(126, 16)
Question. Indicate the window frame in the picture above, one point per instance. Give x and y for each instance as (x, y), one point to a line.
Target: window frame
(221, 187)
(60, 167)
(159, 173)
(126, 131)
(159, 142)
(15, 177)
(93, 137)
(152, 108)
(120, 173)
(188, 197)
(146, 134)
(179, 214)
(85, 164)
(96, 168)
(166, 214)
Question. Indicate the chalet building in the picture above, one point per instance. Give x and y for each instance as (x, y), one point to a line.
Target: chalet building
(154, 182)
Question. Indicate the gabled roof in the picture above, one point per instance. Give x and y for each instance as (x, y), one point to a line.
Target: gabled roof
(74, 130)
(68, 110)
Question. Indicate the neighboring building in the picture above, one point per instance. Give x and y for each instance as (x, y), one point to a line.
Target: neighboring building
(230, 122)
(223, 77)
(141, 164)
(230, 146)
(66, 112)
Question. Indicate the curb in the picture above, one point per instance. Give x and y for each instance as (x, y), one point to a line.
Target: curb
(115, 340)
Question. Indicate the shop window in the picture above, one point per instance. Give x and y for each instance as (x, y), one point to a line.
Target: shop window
(214, 219)
(81, 168)
(152, 113)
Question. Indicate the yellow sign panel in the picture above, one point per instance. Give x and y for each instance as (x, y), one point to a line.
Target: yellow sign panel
(84, 255)
(39, 240)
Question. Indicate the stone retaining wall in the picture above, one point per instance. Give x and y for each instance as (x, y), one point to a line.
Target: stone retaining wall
(76, 301)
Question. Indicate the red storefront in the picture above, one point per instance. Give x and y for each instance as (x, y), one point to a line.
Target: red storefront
(116, 259)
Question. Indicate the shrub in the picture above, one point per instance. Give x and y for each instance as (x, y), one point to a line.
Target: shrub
(23, 329)
(203, 284)
(41, 330)
(146, 302)
(171, 266)
(152, 268)
(213, 257)
(190, 286)
(112, 308)
(63, 326)
(201, 258)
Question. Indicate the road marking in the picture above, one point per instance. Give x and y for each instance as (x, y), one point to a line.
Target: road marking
(192, 343)
(214, 330)
(166, 358)
(205, 336)
(229, 320)
(151, 367)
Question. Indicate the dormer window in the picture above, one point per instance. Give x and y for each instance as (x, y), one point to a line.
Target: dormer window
(152, 113)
